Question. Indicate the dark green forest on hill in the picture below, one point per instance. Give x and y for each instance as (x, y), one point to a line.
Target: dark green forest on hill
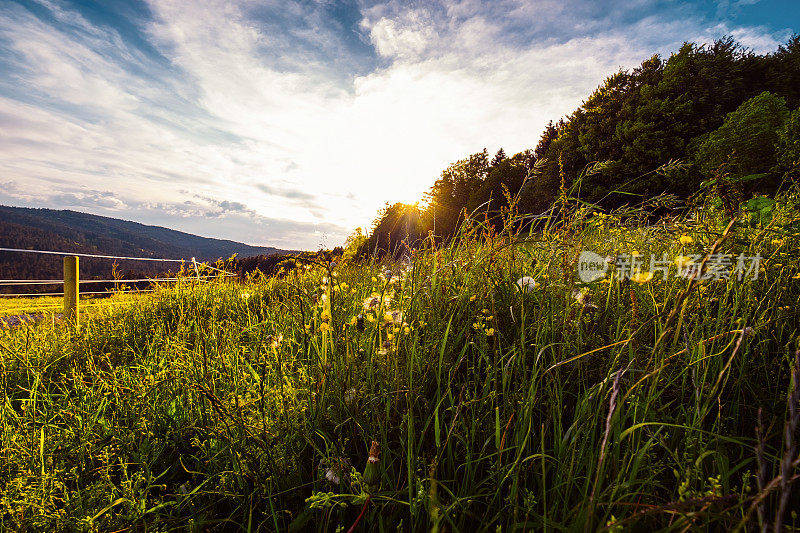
(71, 231)
(716, 115)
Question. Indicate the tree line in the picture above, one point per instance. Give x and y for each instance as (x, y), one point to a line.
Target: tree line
(716, 112)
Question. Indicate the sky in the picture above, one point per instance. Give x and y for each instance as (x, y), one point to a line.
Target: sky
(289, 123)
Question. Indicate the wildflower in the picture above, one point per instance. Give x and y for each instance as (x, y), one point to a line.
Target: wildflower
(374, 279)
(344, 286)
(526, 284)
(642, 277)
(372, 475)
(388, 317)
(583, 298)
(406, 330)
(245, 296)
(472, 298)
(686, 239)
(371, 302)
(275, 341)
(335, 469)
(490, 332)
(353, 321)
(324, 327)
(397, 317)
(325, 315)
(371, 317)
(683, 261)
(350, 395)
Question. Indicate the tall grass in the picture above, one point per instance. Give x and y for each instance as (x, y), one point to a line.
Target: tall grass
(666, 404)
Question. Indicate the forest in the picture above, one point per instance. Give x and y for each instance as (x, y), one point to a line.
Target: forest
(715, 116)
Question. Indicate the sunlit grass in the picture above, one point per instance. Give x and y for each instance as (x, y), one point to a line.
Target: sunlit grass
(495, 402)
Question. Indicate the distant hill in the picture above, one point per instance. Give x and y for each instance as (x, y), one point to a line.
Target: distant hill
(71, 231)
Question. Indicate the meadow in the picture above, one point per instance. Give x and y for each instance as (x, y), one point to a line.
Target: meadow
(492, 389)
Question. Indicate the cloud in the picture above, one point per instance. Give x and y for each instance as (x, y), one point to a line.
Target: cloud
(209, 116)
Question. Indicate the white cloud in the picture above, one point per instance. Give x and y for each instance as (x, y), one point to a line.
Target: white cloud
(255, 120)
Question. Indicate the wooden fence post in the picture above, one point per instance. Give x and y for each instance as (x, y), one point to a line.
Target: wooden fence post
(71, 289)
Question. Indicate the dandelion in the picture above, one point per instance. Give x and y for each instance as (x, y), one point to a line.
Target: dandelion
(526, 284)
(642, 277)
(686, 239)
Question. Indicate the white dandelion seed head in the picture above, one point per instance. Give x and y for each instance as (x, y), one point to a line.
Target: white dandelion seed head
(526, 284)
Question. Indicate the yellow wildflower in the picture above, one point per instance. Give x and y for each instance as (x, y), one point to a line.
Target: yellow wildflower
(490, 332)
(686, 239)
(324, 327)
(472, 298)
(642, 277)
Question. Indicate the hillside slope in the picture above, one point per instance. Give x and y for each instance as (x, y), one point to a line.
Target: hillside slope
(71, 231)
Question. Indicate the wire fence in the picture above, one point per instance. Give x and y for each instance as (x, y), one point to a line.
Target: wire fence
(116, 281)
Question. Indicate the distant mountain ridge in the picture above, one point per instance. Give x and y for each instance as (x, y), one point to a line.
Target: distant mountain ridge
(72, 231)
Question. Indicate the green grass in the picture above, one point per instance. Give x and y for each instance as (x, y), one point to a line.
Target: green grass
(47, 305)
(235, 406)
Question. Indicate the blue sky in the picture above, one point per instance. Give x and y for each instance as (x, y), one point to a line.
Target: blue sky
(290, 123)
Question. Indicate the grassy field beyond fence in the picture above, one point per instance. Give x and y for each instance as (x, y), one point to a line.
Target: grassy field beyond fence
(488, 402)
